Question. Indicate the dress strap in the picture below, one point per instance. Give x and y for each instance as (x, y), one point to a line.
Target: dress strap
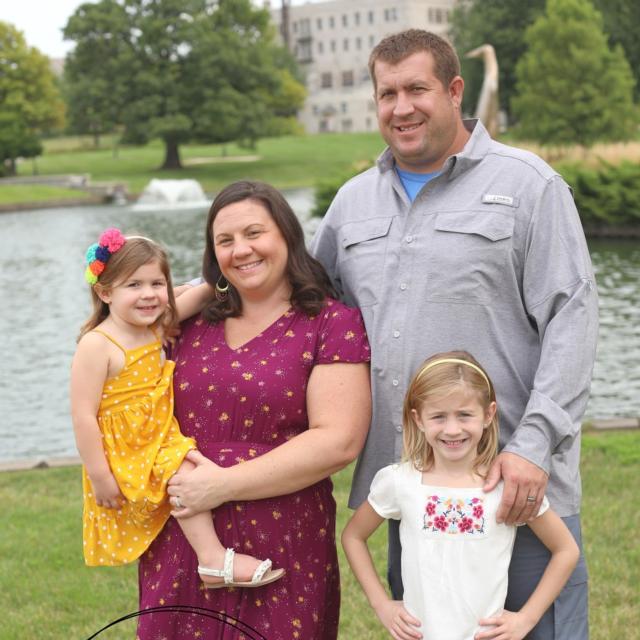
(111, 338)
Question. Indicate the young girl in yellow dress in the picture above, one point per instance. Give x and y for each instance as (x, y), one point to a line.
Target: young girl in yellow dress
(122, 410)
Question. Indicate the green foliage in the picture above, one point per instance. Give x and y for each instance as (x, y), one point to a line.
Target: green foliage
(571, 87)
(500, 23)
(621, 20)
(606, 196)
(181, 70)
(29, 99)
(326, 189)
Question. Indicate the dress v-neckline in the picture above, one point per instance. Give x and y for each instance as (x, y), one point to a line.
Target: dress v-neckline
(264, 331)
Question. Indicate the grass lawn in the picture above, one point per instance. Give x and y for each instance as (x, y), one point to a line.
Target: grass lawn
(17, 193)
(46, 592)
(290, 161)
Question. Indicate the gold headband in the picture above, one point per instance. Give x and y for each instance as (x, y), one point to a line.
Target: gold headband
(457, 361)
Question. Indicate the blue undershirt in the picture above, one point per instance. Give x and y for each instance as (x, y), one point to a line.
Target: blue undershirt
(413, 182)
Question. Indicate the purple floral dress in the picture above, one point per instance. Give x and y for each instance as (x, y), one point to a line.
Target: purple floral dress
(239, 404)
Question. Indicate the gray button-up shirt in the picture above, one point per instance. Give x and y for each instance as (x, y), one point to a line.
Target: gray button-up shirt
(491, 258)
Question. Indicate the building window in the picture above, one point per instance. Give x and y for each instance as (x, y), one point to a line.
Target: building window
(372, 41)
(347, 78)
(347, 124)
(303, 51)
(333, 46)
(344, 107)
(358, 43)
(368, 124)
(438, 16)
(320, 47)
(370, 17)
(345, 44)
(295, 27)
(345, 20)
(430, 15)
(315, 109)
(356, 18)
(326, 80)
(319, 24)
(390, 15)
(305, 27)
(332, 22)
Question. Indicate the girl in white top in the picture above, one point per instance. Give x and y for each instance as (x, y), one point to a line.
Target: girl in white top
(455, 556)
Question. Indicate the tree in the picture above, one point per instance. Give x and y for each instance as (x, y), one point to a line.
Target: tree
(29, 100)
(571, 87)
(180, 70)
(94, 84)
(621, 20)
(501, 23)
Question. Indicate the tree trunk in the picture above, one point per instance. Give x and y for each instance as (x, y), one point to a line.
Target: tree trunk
(172, 155)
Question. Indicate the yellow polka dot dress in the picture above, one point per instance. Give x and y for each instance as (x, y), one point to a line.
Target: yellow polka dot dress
(144, 447)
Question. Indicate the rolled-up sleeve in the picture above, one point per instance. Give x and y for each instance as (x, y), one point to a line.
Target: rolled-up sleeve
(561, 300)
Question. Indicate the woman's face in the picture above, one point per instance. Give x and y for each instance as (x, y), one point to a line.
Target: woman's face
(251, 251)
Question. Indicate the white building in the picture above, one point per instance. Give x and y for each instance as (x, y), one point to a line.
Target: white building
(332, 41)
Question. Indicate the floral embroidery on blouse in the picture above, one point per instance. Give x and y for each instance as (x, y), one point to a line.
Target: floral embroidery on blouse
(454, 516)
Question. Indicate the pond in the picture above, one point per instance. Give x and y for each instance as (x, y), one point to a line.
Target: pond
(44, 301)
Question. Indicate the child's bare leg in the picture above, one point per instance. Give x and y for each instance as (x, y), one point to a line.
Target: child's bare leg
(201, 535)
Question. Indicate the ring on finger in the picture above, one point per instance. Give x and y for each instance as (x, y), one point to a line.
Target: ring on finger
(531, 498)
(177, 502)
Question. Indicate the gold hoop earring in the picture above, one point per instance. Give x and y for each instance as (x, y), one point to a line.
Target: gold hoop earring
(222, 291)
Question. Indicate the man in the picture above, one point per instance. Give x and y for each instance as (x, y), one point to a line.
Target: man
(454, 241)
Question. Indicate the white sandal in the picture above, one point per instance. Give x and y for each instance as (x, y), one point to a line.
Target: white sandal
(261, 576)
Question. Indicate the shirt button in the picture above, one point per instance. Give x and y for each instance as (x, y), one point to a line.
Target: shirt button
(396, 334)
(409, 238)
(395, 383)
(403, 286)
(399, 428)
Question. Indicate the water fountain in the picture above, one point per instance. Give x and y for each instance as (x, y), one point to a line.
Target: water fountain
(172, 193)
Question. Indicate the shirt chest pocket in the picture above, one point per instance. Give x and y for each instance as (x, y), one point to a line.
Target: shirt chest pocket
(363, 247)
(469, 256)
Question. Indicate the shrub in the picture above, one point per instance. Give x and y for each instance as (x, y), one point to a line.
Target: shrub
(608, 196)
(325, 190)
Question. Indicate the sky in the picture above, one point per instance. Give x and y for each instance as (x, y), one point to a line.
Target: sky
(42, 21)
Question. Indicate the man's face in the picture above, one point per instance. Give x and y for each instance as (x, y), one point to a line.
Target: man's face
(418, 117)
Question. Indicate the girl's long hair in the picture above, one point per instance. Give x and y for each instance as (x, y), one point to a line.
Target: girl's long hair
(135, 253)
(310, 284)
(436, 382)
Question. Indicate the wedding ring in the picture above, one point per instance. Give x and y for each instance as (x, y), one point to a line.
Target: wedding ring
(531, 498)
(179, 505)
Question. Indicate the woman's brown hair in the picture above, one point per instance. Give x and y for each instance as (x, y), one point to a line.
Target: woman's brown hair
(135, 253)
(309, 282)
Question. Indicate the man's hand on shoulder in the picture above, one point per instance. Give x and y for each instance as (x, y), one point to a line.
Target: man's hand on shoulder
(522, 480)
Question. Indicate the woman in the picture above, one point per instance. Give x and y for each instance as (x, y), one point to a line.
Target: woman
(273, 375)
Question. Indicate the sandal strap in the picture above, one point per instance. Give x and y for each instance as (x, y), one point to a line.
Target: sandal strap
(261, 569)
(227, 570)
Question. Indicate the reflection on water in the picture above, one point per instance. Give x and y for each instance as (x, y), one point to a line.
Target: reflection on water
(44, 300)
(615, 390)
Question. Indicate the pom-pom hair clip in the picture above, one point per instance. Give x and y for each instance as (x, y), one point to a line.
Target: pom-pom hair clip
(110, 241)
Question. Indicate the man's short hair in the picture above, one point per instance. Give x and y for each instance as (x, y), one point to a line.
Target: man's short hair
(398, 46)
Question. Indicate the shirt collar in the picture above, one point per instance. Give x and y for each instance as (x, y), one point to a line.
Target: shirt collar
(473, 152)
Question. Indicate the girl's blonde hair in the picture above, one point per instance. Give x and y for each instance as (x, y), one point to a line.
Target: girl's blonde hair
(435, 381)
(135, 253)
